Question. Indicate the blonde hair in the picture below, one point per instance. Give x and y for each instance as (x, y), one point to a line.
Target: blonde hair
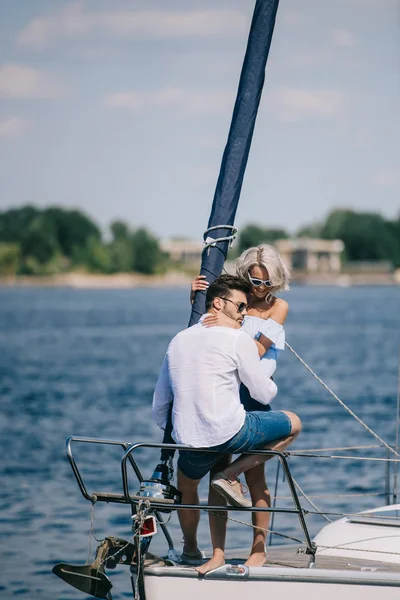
(268, 257)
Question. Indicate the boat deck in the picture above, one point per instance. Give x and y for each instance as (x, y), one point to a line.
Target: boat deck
(288, 556)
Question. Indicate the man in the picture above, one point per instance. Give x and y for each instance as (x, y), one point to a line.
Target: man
(201, 374)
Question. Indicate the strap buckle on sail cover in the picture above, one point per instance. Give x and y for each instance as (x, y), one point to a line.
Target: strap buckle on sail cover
(209, 241)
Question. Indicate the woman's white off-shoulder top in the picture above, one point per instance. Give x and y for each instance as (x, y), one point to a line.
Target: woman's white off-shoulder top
(274, 331)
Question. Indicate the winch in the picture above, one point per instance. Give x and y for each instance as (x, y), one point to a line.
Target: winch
(158, 488)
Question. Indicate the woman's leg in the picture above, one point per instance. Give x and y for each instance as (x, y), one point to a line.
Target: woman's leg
(261, 498)
(246, 462)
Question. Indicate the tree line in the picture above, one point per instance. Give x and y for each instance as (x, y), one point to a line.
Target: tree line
(36, 241)
(366, 236)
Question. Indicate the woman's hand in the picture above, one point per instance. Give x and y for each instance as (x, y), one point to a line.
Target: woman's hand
(219, 320)
(198, 284)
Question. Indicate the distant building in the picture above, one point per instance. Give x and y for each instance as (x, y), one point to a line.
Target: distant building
(311, 255)
(183, 251)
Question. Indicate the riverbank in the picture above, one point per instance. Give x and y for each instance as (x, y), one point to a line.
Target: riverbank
(93, 281)
(178, 278)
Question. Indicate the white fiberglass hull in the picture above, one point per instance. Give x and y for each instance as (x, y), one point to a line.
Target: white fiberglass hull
(285, 584)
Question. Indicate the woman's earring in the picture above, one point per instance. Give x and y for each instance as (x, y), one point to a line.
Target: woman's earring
(269, 297)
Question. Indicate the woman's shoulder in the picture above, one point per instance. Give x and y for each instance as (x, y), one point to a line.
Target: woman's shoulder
(279, 310)
(281, 302)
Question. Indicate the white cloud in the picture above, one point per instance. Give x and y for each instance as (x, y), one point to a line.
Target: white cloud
(292, 18)
(387, 177)
(343, 38)
(73, 21)
(12, 127)
(196, 103)
(18, 81)
(291, 104)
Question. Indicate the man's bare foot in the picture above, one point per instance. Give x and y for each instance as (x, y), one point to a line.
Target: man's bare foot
(257, 559)
(213, 563)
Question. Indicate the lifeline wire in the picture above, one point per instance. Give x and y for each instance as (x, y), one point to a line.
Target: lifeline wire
(341, 402)
(397, 434)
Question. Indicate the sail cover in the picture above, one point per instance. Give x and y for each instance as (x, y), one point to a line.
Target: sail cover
(234, 160)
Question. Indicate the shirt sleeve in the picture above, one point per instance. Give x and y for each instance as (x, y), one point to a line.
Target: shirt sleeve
(163, 396)
(252, 373)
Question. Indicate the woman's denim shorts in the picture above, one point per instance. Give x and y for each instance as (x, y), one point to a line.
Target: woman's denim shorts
(259, 429)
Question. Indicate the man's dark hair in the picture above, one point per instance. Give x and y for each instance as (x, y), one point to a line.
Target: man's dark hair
(223, 285)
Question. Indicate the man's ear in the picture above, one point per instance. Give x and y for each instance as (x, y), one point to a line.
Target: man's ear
(218, 303)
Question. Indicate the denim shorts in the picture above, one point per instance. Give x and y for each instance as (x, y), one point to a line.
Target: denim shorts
(259, 429)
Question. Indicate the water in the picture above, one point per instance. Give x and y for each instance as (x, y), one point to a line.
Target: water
(85, 362)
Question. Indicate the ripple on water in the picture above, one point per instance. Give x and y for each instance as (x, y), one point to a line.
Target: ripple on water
(83, 362)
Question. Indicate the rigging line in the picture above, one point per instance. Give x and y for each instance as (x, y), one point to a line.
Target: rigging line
(320, 496)
(366, 458)
(337, 449)
(227, 518)
(397, 434)
(353, 414)
(347, 545)
(310, 501)
(92, 532)
(368, 515)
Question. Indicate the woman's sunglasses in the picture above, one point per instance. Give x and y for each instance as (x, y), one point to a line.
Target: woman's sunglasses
(241, 306)
(259, 282)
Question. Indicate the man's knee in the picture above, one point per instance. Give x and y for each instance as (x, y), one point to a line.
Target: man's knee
(295, 421)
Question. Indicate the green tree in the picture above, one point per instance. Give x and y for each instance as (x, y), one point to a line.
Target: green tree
(119, 231)
(366, 236)
(121, 248)
(94, 256)
(15, 221)
(147, 255)
(314, 230)
(9, 259)
(72, 228)
(394, 230)
(39, 240)
(253, 235)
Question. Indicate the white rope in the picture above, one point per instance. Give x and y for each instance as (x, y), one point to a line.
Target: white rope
(329, 496)
(376, 436)
(227, 518)
(311, 502)
(397, 433)
(347, 546)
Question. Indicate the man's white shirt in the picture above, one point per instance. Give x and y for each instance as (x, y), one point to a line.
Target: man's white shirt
(201, 374)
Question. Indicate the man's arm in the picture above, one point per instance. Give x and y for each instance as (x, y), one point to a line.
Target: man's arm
(251, 372)
(163, 396)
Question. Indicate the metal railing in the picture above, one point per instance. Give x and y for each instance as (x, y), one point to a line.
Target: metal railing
(126, 498)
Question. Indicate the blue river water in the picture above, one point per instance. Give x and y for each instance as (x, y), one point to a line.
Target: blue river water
(85, 362)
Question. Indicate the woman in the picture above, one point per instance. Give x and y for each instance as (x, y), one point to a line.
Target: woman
(263, 267)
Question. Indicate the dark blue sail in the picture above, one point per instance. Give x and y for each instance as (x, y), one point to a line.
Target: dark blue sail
(234, 160)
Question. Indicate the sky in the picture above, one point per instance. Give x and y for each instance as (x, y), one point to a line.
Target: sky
(121, 108)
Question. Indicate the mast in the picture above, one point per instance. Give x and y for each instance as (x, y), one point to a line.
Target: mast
(234, 159)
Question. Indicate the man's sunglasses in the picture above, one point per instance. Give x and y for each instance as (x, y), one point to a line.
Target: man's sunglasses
(241, 306)
(259, 282)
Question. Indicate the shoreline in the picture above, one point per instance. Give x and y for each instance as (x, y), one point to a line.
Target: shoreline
(93, 281)
(176, 279)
